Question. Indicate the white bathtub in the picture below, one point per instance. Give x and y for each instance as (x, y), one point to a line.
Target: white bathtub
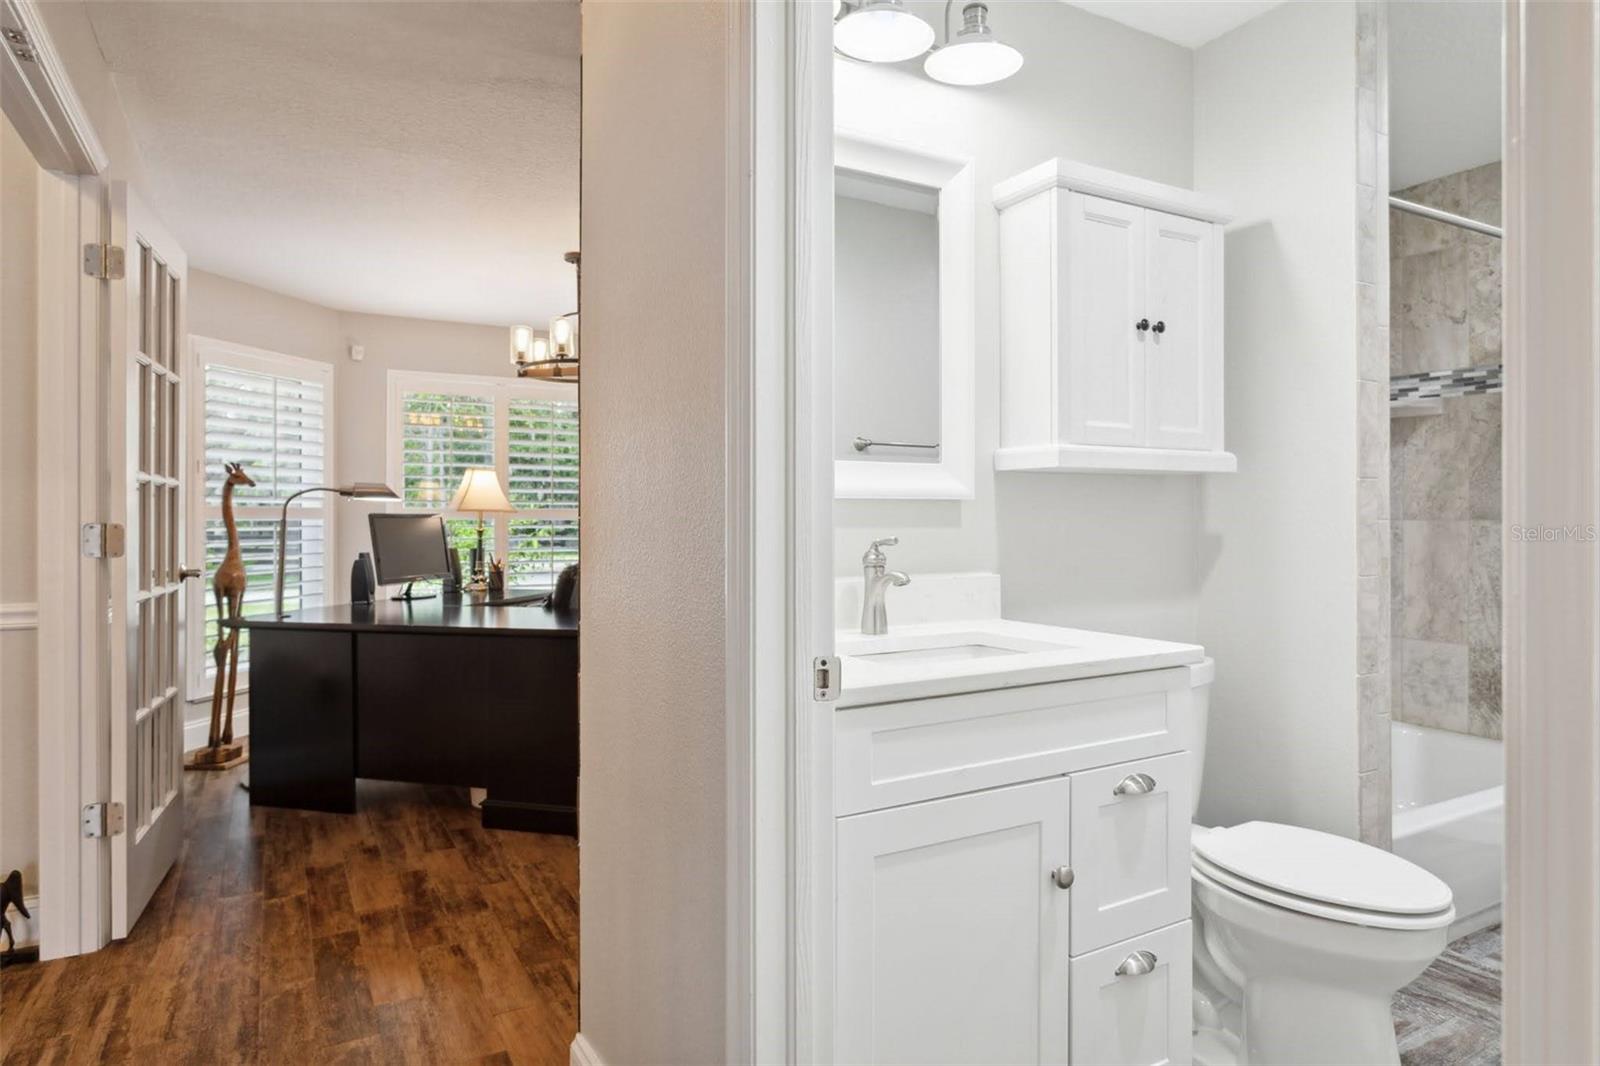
(1449, 816)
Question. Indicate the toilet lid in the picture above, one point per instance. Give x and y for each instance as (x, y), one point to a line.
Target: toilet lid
(1321, 866)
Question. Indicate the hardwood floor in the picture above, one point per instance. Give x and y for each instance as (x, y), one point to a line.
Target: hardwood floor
(403, 934)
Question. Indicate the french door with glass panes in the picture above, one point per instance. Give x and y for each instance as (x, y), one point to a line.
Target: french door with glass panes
(146, 442)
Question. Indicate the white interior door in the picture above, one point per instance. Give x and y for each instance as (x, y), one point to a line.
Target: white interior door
(146, 444)
(1183, 309)
(1106, 282)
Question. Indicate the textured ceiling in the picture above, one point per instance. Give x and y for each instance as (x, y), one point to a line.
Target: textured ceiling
(1190, 23)
(414, 159)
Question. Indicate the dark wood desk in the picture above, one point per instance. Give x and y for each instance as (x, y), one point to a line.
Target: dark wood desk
(431, 691)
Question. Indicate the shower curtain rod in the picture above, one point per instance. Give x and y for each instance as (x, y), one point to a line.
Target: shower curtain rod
(1446, 217)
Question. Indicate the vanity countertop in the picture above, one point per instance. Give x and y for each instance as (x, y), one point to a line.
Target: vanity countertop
(945, 658)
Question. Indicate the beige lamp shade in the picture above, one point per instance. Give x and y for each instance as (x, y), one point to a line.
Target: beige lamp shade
(480, 491)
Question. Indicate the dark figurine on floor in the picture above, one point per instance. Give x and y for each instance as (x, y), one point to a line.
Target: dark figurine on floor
(11, 896)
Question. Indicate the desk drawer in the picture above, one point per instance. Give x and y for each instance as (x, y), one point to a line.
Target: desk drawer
(894, 753)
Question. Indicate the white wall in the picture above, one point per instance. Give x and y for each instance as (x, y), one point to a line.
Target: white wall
(651, 803)
(1099, 551)
(19, 697)
(245, 314)
(1275, 135)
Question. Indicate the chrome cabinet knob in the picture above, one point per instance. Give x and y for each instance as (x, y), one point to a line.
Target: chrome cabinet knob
(1062, 876)
(1137, 965)
(1134, 785)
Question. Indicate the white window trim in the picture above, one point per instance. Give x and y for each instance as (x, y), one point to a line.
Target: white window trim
(501, 391)
(204, 350)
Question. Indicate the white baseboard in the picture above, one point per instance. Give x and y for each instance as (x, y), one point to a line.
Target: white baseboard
(583, 1053)
(198, 730)
(25, 930)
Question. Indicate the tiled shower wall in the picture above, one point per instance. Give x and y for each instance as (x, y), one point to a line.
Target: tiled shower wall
(1445, 467)
(1372, 421)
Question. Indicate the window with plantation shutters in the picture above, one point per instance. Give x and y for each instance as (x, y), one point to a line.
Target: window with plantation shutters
(270, 412)
(542, 447)
(443, 424)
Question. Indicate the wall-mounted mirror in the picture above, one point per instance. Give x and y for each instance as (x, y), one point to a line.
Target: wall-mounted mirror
(903, 322)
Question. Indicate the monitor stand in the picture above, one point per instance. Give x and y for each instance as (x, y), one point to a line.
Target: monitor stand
(407, 595)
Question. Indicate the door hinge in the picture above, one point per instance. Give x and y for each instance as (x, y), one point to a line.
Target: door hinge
(825, 678)
(102, 819)
(104, 261)
(103, 540)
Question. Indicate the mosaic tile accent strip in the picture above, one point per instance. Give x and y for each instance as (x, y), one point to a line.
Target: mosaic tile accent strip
(1467, 381)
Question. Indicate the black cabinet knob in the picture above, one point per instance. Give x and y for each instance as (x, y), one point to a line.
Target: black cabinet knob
(1159, 327)
(1142, 325)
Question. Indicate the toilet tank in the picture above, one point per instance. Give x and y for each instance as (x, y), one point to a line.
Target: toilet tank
(1201, 674)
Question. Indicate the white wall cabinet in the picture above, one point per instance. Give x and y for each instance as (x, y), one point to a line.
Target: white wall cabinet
(1111, 305)
(1027, 915)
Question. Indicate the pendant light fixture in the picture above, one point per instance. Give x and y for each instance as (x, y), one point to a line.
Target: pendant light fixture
(880, 31)
(975, 56)
(552, 358)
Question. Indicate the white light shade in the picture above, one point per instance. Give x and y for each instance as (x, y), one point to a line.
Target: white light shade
(974, 57)
(521, 344)
(541, 349)
(561, 337)
(973, 63)
(480, 491)
(882, 31)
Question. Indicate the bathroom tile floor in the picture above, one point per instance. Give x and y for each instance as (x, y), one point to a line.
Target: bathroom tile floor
(1450, 1016)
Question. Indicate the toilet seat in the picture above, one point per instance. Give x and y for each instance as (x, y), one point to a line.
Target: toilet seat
(1322, 875)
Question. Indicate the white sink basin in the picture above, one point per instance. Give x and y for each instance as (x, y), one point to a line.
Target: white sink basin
(945, 646)
(923, 655)
(942, 658)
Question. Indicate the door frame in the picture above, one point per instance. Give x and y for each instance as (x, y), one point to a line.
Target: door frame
(778, 538)
(1552, 479)
(1552, 160)
(74, 909)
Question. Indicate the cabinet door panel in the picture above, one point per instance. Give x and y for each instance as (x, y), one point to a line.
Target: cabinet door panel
(1130, 849)
(951, 936)
(1134, 1018)
(1105, 278)
(1183, 384)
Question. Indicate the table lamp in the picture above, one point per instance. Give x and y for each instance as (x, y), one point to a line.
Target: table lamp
(480, 491)
(360, 490)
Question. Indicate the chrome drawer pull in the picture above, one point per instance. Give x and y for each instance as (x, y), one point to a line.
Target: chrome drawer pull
(1134, 785)
(1062, 876)
(1138, 964)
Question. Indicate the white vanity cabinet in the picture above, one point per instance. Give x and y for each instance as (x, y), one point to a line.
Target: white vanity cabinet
(1012, 875)
(1110, 324)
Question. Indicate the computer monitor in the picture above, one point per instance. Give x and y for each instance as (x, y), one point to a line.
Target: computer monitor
(407, 548)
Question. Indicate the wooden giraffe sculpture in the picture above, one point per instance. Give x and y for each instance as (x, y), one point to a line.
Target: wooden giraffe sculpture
(227, 585)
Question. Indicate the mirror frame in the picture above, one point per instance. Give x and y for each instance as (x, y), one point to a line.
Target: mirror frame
(954, 476)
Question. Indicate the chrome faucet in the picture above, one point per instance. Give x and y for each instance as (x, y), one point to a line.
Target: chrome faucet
(875, 581)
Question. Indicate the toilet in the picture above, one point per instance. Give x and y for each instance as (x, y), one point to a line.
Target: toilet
(1301, 938)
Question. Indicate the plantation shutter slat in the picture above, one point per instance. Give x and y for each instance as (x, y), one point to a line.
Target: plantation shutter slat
(276, 425)
(542, 445)
(442, 434)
